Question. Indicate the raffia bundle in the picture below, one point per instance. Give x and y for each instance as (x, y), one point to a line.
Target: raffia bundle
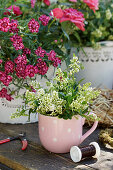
(103, 107)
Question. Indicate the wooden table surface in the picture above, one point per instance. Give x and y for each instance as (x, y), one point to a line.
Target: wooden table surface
(35, 157)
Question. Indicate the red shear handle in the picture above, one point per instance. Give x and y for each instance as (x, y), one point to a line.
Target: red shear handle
(24, 144)
(4, 141)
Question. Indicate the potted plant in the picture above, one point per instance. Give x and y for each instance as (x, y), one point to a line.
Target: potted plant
(28, 51)
(62, 109)
(32, 43)
(95, 47)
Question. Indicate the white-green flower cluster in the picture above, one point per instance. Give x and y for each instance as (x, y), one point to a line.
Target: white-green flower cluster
(51, 103)
(84, 98)
(74, 66)
(108, 14)
(30, 95)
(35, 84)
(97, 33)
(60, 79)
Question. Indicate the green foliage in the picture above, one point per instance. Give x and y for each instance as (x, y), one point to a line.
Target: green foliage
(64, 97)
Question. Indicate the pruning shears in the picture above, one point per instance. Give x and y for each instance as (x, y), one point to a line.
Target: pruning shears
(20, 137)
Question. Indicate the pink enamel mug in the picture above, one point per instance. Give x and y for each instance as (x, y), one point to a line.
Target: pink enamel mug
(59, 135)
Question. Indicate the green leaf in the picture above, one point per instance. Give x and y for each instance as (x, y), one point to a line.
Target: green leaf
(77, 36)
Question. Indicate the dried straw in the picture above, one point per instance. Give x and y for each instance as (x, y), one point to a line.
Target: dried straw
(103, 107)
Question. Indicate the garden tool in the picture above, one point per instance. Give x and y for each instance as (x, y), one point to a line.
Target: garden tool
(20, 137)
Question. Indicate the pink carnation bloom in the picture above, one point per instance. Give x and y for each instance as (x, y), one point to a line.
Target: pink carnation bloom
(93, 4)
(5, 79)
(20, 71)
(57, 61)
(75, 17)
(57, 13)
(51, 55)
(30, 70)
(16, 10)
(42, 67)
(18, 45)
(16, 38)
(33, 25)
(4, 24)
(44, 19)
(26, 51)
(3, 94)
(9, 67)
(13, 26)
(40, 52)
(17, 42)
(21, 60)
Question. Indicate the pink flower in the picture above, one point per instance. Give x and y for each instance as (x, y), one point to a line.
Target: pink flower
(42, 67)
(33, 3)
(17, 42)
(22, 60)
(8, 97)
(18, 45)
(1, 61)
(51, 55)
(40, 52)
(4, 24)
(30, 70)
(93, 4)
(20, 71)
(4, 90)
(55, 41)
(13, 26)
(33, 25)
(44, 19)
(9, 67)
(5, 79)
(26, 51)
(57, 61)
(16, 38)
(57, 13)
(47, 2)
(16, 10)
(3, 94)
(75, 17)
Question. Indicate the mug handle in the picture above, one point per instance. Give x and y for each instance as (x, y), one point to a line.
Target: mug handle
(91, 130)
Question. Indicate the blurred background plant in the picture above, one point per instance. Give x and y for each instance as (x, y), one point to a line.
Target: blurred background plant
(98, 25)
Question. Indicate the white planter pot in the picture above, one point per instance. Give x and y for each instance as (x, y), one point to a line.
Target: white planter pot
(98, 66)
(9, 107)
